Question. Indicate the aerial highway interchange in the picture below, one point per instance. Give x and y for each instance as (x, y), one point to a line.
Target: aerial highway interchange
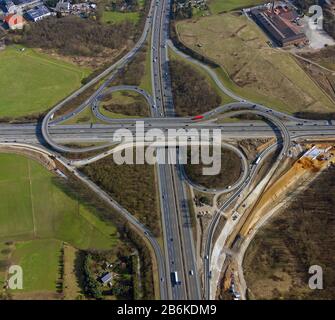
(178, 253)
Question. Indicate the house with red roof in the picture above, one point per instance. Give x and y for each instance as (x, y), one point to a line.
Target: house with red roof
(14, 21)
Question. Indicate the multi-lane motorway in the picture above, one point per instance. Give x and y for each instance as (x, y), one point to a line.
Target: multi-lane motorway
(31, 133)
(177, 231)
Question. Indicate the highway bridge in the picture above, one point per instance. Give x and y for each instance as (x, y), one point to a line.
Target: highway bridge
(178, 252)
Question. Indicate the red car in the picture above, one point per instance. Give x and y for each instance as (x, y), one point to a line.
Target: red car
(197, 117)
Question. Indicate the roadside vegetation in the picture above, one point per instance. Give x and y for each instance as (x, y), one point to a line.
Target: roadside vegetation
(220, 6)
(26, 216)
(85, 116)
(192, 93)
(224, 98)
(248, 66)
(277, 262)
(125, 103)
(116, 11)
(229, 174)
(137, 72)
(133, 186)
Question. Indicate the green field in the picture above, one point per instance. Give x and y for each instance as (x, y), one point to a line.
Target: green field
(31, 82)
(146, 82)
(217, 6)
(249, 67)
(39, 260)
(33, 206)
(117, 17)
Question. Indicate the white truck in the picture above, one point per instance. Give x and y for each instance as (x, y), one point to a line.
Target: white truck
(174, 278)
(258, 159)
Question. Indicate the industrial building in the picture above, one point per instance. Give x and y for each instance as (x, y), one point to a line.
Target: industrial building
(281, 24)
(37, 13)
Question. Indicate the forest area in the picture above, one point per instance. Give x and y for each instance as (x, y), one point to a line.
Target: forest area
(192, 94)
(133, 186)
(86, 41)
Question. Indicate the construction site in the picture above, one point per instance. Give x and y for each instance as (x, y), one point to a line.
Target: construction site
(267, 198)
(294, 177)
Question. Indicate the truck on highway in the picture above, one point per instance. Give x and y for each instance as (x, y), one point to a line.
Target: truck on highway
(258, 159)
(174, 278)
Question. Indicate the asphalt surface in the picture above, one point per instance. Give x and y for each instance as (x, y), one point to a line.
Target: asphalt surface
(285, 141)
(177, 230)
(179, 253)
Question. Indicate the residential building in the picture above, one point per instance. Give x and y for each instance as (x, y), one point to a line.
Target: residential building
(14, 21)
(107, 278)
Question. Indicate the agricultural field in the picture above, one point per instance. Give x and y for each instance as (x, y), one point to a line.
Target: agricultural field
(36, 218)
(40, 262)
(250, 67)
(277, 261)
(26, 87)
(218, 6)
(33, 206)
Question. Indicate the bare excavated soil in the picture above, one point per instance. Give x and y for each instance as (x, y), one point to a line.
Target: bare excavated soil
(277, 262)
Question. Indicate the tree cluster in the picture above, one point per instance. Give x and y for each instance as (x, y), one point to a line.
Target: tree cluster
(72, 35)
(132, 73)
(185, 12)
(91, 285)
(192, 94)
(123, 5)
(133, 186)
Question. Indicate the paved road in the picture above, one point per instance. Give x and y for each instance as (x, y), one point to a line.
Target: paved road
(95, 106)
(179, 247)
(85, 133)
(179, 244)
(111, 70)
(285, 141)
